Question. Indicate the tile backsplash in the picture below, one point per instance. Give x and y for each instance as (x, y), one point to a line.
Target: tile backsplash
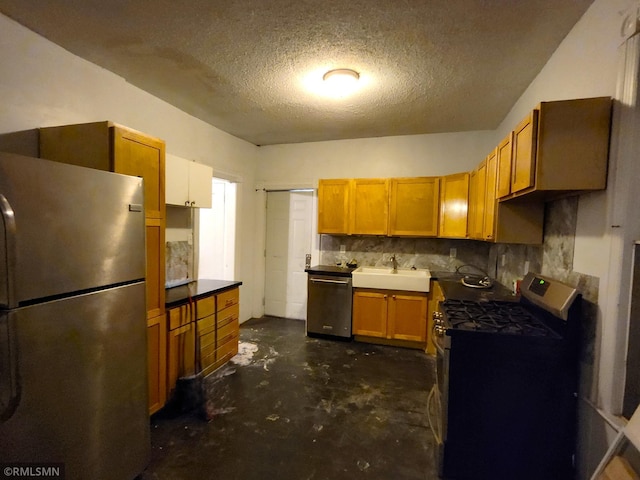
(554, 259)
(432, 253)
(178, 256)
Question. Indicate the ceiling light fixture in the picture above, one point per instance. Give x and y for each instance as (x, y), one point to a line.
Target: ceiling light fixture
(341, 81)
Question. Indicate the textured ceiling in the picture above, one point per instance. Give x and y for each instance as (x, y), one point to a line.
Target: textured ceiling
(426, 66)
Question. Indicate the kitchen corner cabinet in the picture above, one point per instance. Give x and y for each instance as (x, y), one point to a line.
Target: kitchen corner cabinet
(560, 147)
(390, 314)
(369, 212)
(414, 206)
(188, 184)
(111, 147)
(505, 222)
(454, 202)
(333, 206)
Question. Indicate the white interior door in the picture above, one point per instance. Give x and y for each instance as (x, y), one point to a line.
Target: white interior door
(289, 233)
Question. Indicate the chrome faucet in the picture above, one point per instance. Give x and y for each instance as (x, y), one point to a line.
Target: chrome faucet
(394, 262)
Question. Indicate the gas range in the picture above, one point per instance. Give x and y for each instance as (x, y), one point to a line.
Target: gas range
(504, 404)
(507, 318)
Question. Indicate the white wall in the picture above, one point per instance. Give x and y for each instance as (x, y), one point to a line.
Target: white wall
(413, 155)
(44, 85)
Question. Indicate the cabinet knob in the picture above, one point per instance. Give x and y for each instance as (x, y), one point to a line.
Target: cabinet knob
(393, 296)
(385, 297)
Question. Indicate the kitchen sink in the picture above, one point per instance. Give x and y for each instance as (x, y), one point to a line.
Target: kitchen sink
(383, 278)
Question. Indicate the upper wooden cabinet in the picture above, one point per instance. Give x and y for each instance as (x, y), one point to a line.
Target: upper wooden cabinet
(508, 222)
(188, 183)
(503, 170)
(560, 147)
(111, 147)
(454, 201)
(375, 206)
(490, 199)
(524, 153)
(333, 206)
(369, 212)
(413, 206)
(477, 199)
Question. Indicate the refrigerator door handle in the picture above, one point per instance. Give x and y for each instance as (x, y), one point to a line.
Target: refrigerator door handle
(9, 252)
(9, 380)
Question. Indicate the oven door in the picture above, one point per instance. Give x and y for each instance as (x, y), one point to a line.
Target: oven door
(437, 400)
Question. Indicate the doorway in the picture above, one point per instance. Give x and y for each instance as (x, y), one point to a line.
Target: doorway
(288, 240)
(216, 233)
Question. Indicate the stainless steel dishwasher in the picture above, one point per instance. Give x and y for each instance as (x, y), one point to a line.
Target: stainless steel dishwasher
(329, 302)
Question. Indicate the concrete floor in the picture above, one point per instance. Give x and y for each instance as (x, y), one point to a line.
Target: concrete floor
(293, 407)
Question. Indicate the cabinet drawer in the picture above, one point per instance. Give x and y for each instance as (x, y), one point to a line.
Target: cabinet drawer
(226, 333)
(228, 315)
(206, 325)
(228, 299)
(226, 352)
(206, 306)
(207, 339)
(179, 316)
(208, 361)
(209, 348)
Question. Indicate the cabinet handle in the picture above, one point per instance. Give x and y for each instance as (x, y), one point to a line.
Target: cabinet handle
(186, 203)
(193, 203)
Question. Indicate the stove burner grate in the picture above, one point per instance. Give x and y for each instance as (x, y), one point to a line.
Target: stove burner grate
(495, 317)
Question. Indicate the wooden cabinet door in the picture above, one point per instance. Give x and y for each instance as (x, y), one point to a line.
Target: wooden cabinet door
(407, 317)
(369, 206)
(141, 156)
(370, 313)
(454, 202)
(490, 200)
(477, 191)
(523, 161)
(157, 362)
(180, 357)
(155, 253)
(413, 206)
(503, 182)
(333, 206)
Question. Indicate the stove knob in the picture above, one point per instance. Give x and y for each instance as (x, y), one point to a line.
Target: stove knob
(437, 315)
(439, 329)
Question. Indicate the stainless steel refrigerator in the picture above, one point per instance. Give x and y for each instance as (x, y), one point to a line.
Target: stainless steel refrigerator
(73, 372)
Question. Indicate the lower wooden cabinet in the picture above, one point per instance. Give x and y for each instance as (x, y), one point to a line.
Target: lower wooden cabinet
(391, 315)
(202, 335)
(156, 362)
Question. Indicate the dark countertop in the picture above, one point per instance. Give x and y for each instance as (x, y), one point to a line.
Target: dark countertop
(453, 289)
(330, 270)
(197, 289)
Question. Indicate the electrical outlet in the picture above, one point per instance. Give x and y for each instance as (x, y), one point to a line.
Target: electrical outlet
(503, 259)
(343, 249)
(190, 239)
(453, 252)
(526, 267)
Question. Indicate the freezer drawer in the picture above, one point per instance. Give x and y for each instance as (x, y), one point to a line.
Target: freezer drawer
(81, 384)
(66, 229)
